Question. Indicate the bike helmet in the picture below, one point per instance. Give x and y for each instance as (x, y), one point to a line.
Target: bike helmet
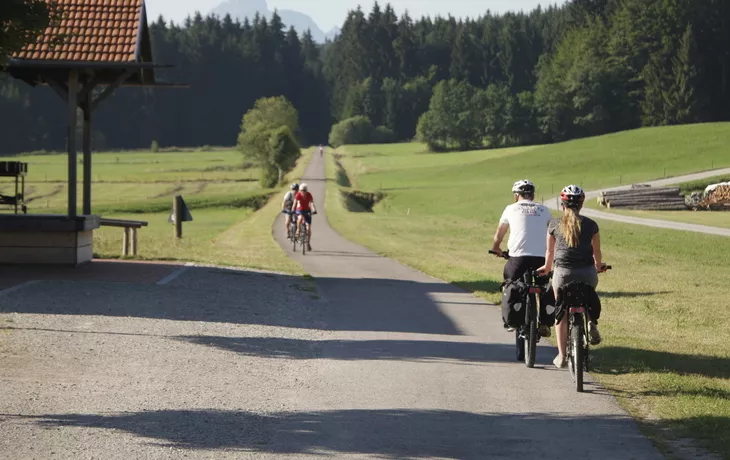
(523, 187)
(572, 196)
(295, 187)
(303, 187)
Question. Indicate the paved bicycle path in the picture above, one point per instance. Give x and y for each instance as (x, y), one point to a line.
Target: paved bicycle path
(422, 369)
(657, 223)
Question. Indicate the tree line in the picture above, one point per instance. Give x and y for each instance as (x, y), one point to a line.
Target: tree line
(588, 67)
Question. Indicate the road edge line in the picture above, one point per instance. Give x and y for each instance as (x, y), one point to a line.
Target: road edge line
(174, 275)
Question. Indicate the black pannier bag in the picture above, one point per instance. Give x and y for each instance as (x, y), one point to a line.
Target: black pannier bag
(513, 307)
(547, 307)
(575, 294)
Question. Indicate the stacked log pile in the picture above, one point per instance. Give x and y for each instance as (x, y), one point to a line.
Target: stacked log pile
(644, 198)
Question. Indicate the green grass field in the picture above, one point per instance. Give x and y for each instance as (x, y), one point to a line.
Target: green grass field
(666, 352)
(232, 215)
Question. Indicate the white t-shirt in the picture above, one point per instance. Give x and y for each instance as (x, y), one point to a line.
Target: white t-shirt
(528, 222)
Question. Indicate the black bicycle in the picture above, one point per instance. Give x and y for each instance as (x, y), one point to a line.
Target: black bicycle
(527, 336)
(303, 236)
(291, 233)
(579, 341)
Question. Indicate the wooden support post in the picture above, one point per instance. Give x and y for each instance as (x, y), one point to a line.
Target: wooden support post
(125, 242)
(177, 214)
(134, 241)
(73, 87)
(87, 155)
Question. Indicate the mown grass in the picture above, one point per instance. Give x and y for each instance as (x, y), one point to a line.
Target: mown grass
(232, 215)
(700, 185)
(666, 351)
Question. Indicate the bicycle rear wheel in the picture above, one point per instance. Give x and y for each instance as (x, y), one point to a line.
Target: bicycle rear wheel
(303, 241)
(519, 345)
(576, 361)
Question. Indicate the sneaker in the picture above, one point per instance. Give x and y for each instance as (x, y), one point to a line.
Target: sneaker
(544, 331)
(560, 362)
(309, 247)
(594, 334)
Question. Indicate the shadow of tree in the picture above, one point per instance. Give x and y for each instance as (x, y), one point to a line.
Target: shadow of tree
(623, 360)
(245, 297)
(489, 286)
(404, 434)
(413, 350)
(620, 295)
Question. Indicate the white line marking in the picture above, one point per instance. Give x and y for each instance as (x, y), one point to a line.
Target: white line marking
(172, 276)
(18, 287)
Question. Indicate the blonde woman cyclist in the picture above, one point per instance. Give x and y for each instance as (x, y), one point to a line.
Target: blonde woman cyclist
(574, 247)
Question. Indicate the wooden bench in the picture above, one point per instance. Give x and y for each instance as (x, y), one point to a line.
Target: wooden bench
(129, 243)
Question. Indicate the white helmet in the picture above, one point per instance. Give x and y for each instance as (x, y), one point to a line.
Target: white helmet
(523, 187)
(572, 196)
(302, 187)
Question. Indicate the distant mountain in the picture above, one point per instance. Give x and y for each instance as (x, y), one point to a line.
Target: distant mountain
(333, 33)
(240, 9)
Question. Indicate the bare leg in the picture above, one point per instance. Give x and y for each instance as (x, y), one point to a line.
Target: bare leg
(299, 225)
(561, 330)
(287, 223)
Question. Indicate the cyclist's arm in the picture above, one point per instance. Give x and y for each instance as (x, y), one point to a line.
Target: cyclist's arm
(294, 206)
(312, 206)
(499, 236)
(597, 255)
(550, 253)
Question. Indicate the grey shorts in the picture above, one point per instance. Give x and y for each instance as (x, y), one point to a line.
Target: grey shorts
(563, 276)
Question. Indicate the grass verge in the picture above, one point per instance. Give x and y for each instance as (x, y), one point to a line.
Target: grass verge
(233, 231)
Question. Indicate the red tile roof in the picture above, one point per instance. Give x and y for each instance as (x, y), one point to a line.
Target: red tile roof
(93, 30)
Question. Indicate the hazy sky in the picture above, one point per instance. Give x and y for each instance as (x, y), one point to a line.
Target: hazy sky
(330, 13)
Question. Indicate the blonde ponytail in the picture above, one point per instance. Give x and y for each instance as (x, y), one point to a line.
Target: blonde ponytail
(570, 227)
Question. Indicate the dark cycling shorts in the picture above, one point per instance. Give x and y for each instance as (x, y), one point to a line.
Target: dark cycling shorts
(307, 216)
(517, 266)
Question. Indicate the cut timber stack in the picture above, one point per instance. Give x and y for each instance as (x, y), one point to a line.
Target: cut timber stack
(644, 198)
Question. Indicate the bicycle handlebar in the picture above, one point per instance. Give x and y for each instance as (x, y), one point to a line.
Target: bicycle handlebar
(504, 255)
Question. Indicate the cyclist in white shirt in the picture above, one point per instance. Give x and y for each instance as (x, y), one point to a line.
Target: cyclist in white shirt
(527, 222)
(287, 204)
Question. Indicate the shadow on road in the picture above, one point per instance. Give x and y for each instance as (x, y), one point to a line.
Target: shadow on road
(244, 297)
(410, 433)
(408, 350)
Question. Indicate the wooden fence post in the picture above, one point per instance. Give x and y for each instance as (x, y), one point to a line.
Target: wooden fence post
(177, 214)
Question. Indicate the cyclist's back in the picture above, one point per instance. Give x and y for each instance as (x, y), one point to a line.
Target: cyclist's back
(527, 222)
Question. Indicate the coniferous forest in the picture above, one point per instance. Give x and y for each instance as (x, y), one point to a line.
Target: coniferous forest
(586, 68)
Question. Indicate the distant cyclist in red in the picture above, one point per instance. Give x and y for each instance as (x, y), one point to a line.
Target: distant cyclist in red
(303, 206)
